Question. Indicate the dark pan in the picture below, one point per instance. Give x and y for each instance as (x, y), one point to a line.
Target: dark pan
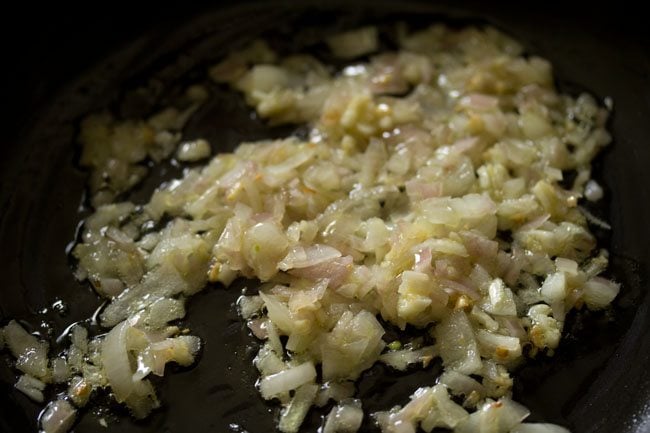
(598, 380)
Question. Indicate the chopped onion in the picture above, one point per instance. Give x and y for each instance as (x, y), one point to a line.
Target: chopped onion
(287, 380)
(30, 353)
(401, 359)
(278, 312)
(60, 370)
(79, 338)
(417, 199)
(153, 358)
(599, 292)
(429, 407)
(538, 428)
(116, 361)
(163, 311)
(495, 417)
(346, 417)
(554, 287)
(137, 394)
(300, 257)
(336, 391)
(259, 328)
(569, 267)
(79, 391)
(335, 271)
(499, 347)
(501, 301)
(461, 384)
(294, 414)
(444, 412)
(268, 361)
(456, 343)
(31, 387)
(352, 346)
(58, 417)
(249, 305)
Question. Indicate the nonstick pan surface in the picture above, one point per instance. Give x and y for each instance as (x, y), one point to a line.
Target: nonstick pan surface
(133, 60)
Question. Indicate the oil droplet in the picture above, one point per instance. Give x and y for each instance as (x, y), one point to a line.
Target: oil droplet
(60, 307)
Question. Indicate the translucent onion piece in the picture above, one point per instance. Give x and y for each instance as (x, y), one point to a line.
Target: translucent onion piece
(58, 417)
(287, 380)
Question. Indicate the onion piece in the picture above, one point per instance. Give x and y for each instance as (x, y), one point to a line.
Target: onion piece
(335, 271)
(457, 345)
(301, 257)
(461, 384)
(599, 292)
(500, 300)
(401, 359)
(287, 380)
(258, 327)
(30, 353)
(429, 407)
(336, 391)
(163, 311)
(79, 338)
(268, 362)
(31, 387)
(554, 287)
(249, 305)
(538, 428)
(495, 417)
(346, 417)
(278, 313)
(157, 354)
(569, 267)
(294, 414)
(499, 347)
(137, 394)
(58, 417)
(352, 346)
(79, 391)
(115, 359)
(444, 412)
(60, 370)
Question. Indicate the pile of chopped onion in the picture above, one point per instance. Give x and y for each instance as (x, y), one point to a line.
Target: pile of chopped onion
(428, 193)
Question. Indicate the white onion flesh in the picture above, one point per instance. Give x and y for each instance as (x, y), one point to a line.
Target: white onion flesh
(116, 362)
(31, 387)
(538, 428)
(60, 370)
(599, 292)
(346, 417)
(336, 391)
(287, 380)
(294, 414)
(401, 359)
(30, 353)
(300, 257)
(58, 417)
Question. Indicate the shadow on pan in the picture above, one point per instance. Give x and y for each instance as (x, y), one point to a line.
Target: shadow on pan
(598, 380)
